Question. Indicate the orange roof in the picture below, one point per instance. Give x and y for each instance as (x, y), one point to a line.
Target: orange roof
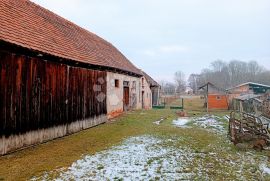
(31, 26)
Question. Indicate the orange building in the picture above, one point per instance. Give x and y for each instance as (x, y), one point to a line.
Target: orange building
(215, 98)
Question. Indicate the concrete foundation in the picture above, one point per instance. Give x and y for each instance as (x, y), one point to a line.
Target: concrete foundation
(15, 142)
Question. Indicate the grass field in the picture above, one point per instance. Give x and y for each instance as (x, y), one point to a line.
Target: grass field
(213, 156)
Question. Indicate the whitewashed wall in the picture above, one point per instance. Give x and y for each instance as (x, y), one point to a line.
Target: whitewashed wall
(115, 94)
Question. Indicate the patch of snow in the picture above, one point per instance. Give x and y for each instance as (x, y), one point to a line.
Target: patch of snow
(265, 169)
(226, 117)
(138, 158)
(181, 122)
(209, 121)
(151, 158)
(158, 121)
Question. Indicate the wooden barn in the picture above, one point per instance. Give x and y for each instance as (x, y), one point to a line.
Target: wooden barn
(57, 78)
(215, 98)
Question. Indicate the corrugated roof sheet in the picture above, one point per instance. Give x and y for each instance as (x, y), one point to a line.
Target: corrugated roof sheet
(31, 26)
(247, 97)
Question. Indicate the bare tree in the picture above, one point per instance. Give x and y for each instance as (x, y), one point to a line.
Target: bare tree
(167, 88)
(193, 82)
(235, 72)
(180, 81)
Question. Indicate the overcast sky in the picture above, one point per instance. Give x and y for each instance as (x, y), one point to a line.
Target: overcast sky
(164, 36)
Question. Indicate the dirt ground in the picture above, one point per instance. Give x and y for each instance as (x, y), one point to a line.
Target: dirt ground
(143, 145)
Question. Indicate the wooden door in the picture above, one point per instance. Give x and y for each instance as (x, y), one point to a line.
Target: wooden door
(143, 99)
(126, 98)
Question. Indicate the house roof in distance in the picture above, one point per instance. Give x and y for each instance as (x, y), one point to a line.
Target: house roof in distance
(250, 83)
(31, 26)
(212, 86)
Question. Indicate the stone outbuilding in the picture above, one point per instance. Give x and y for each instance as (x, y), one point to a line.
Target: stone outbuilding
(154, 87)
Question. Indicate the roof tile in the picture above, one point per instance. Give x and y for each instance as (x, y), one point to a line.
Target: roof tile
(31, 26)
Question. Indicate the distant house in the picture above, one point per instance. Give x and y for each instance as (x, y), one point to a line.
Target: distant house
(215, 98)
(189, 90)
(246, 89)
(155, 89)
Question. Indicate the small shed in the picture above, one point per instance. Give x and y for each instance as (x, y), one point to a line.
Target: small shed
(215, 97)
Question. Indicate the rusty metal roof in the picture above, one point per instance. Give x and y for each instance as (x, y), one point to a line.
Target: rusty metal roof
(31, 26)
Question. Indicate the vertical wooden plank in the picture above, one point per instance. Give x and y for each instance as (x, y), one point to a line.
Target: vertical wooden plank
(9, 121)
(3, 89)
(67, 97)
(18, 106)
(37, 94)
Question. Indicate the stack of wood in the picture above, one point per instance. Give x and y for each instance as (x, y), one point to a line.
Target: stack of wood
(247, 128)
(266, 106)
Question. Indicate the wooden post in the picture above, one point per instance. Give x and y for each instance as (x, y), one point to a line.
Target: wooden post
(183, 103)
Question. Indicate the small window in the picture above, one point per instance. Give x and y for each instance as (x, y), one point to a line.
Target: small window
(126, 83)
(116, 83)
(218, 97)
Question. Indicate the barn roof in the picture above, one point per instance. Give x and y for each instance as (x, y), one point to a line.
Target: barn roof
(31, 26)
(150, 80)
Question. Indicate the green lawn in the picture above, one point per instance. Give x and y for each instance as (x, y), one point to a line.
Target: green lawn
(62, 152)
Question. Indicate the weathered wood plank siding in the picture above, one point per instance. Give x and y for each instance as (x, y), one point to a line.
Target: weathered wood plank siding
(37, 94)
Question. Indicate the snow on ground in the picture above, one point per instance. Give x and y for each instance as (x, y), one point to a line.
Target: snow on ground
(226, 117)
(158, 121)
(156, 158)
(181, 122)
(208, 121)
(265, 169)
(151, 158)
(138, 158)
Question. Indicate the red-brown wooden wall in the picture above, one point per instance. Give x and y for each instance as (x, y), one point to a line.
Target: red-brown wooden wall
(214, 103)
(36, 94)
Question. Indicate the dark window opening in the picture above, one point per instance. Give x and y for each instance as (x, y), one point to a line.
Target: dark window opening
(116, 83)
(126, 83)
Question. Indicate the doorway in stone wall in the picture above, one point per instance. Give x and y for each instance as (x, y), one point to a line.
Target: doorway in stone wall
(143, 99)
(126, 97)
